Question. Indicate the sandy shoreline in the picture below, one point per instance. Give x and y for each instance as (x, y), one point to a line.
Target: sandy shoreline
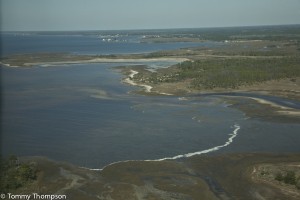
(283, 109)
(148, 88)
(129, 80)
(262, 101)
(100, 60)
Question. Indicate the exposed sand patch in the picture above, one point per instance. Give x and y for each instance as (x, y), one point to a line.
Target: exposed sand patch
(286, 112)
(107, 60)
(262, 101)
(131, 82)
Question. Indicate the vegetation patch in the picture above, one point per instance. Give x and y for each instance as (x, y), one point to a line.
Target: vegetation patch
(283, 175)
(15, 174)
(228, 73)
(288, 177)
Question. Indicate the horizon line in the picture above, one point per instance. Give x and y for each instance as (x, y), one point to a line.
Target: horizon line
(145, 29)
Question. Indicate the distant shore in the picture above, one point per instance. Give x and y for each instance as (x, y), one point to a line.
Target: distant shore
(31, 60)
(176, 80)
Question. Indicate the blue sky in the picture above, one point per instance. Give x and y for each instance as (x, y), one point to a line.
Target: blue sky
(24, 15)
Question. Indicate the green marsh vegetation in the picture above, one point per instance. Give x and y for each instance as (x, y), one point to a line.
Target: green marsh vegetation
(16, 174)
(230, 73)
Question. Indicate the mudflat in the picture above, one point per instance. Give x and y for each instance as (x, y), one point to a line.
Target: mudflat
(231, 176)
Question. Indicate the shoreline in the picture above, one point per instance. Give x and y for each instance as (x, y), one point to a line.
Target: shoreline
(98, 60)
(147, 88)
(283, 110)
(196, 177)
(232, 135)
(129, 81)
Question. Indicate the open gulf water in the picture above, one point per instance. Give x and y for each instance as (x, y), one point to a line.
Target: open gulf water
(86, 115)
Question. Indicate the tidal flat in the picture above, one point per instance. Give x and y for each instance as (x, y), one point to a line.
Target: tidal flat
(228, 176)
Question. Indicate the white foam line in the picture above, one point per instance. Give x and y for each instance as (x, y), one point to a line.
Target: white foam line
(228, 142)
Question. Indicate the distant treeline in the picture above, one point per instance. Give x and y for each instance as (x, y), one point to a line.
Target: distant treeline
(274, 33)
(231, 73)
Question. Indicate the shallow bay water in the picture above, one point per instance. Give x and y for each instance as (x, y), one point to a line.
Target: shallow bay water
(85, 115)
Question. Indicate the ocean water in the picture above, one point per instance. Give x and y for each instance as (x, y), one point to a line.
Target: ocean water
(86, 115)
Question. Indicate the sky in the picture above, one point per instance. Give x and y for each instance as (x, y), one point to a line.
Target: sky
(51, 15)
